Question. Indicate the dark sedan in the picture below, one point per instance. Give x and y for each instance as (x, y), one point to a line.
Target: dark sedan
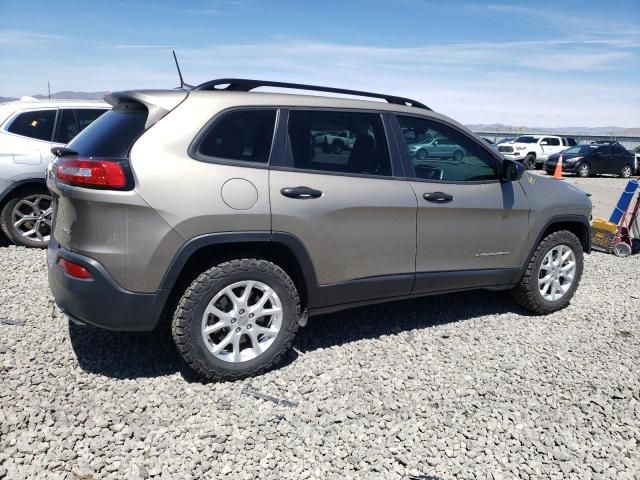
(594, 159)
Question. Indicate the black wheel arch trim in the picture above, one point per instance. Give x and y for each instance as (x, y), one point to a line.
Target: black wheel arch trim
(291, 242)
(578, 219)
(8, 193)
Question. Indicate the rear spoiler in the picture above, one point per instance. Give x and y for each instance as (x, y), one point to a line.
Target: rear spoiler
(157, 102)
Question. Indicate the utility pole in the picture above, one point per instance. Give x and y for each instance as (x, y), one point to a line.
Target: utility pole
(49, 89)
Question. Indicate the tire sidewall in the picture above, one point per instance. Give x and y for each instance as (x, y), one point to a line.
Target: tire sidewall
(550, 243)
(193, 326)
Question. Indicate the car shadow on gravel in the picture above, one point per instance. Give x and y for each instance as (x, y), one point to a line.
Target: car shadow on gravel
(153, 354)
(406, 315)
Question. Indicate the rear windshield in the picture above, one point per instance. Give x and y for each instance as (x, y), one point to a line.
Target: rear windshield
(113, 134)
(581, 149)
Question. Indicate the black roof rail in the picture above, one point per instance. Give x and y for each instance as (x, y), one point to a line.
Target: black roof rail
(246, 85)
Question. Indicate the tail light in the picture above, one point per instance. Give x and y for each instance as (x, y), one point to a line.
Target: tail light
(74, 270)
(91, 173)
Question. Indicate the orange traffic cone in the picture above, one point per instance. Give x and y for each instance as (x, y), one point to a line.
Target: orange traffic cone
(558, 172)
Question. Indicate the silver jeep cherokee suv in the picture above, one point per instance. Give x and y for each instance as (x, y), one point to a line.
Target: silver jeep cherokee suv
(214, 209)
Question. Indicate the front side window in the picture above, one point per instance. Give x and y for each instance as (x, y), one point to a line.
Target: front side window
(67, 126)
(552, 142)
(244, 135)
(86, 116)
(342, 142)
(37, 124)
(439, 152)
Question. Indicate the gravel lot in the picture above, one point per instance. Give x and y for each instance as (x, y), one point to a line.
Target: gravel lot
(459, 386)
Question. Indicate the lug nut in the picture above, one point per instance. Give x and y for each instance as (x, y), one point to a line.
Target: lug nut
(248, 326)
(238, 330)
(233, 320)
(251, 315)
(241, 312)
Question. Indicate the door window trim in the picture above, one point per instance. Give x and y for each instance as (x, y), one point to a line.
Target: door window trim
(408, 164)
(192, 149)
(284, 158)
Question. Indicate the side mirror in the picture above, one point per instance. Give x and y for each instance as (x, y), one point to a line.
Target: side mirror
(512, 171)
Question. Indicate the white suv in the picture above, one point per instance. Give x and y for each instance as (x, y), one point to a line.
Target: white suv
(534, 150)
(29, 128)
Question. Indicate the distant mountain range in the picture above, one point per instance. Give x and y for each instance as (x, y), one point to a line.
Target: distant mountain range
(480, 127)
(511, 129)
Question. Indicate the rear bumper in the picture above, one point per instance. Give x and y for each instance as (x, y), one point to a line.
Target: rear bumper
(100, 301)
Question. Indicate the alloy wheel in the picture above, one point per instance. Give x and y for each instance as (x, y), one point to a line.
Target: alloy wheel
(31, 217)
(242, 321)
(557, 273)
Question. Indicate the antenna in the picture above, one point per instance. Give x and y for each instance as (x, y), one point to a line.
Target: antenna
(182, 84)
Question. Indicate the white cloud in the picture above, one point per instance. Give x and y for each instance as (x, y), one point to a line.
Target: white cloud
(26, 39)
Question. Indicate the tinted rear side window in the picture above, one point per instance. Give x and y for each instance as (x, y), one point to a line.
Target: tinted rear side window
(244, 135)
(112, 135)
(37, 124)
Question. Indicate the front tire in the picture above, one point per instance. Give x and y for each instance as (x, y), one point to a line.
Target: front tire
(237, 319)
(26, 218)
(530, 161)
(552, 275)
(584, 170)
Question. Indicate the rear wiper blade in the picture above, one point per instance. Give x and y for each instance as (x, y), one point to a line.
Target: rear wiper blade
(63, 151)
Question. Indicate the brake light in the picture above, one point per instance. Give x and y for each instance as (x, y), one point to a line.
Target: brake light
(74, 270)
(91, 173)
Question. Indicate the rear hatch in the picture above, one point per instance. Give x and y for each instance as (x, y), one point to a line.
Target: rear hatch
(96, 210)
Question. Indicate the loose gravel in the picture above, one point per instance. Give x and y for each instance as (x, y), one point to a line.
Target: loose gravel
(462, 386)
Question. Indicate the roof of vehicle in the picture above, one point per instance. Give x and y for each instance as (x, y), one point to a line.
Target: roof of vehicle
(51, 103)
(221, 99)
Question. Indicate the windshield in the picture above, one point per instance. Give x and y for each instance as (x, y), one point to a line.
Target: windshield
(526, 140)
(580, 149)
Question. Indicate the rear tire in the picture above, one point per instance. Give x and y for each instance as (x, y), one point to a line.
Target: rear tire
(626, 171)
(529, 292)
(530, 161)
(28, 211)
(238, 348)
(421, 155)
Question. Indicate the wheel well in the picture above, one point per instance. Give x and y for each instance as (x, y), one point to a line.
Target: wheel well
(211, 255)
(579, 229)
(23, 187)
(533, 154)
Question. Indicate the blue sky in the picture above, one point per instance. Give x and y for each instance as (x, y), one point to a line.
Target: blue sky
(543, 63)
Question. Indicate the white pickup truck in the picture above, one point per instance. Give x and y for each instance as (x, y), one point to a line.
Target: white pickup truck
(533, 150)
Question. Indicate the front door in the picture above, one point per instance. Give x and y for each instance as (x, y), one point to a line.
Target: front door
(471, 226)
(356, 221)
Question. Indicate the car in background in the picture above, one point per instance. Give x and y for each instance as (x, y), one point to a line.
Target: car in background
(533, 150)
(506, 140)
(594, 159)
(335, 142)
(29, 128)
(426, 146)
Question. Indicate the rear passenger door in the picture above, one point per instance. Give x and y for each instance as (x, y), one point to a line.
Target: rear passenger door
(352, 210)
(601, 160)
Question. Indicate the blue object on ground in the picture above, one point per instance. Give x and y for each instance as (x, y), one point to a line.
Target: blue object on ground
(624, 202)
